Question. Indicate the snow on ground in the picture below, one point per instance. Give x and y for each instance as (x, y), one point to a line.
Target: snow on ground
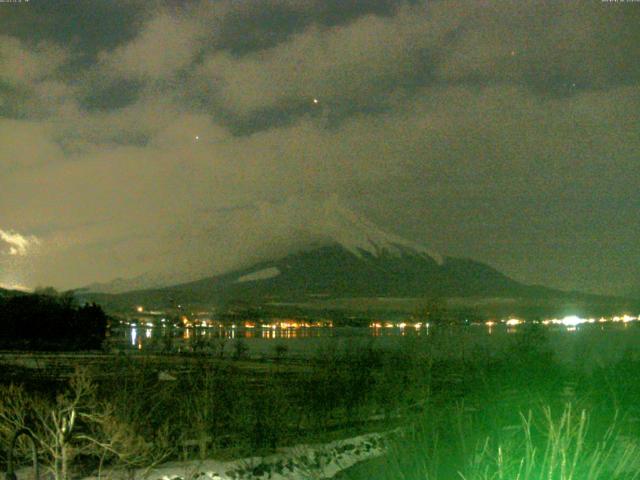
(292, 463)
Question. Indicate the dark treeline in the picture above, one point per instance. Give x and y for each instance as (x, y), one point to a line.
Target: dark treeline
(47, 321)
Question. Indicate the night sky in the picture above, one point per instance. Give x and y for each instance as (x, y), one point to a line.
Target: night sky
(187, 138)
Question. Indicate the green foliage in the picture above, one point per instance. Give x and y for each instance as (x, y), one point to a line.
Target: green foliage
(558, 447)
(499, 415)
(240, 349)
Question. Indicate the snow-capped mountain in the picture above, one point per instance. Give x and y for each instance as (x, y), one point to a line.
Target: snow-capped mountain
(334, 223)
(337, 254)
(299, 226)
(333, 271)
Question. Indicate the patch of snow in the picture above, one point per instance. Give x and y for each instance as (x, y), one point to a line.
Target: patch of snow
(263, 274)
(292, 463)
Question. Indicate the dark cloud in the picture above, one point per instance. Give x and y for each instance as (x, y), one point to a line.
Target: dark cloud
(252, 26)
(503, 131)
(86, 26)
(100, 95)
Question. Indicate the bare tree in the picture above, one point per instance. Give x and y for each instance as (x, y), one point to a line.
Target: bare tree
(75, 424)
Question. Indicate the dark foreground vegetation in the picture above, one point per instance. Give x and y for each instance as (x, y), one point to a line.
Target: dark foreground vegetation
(49, 321)
(515, 414)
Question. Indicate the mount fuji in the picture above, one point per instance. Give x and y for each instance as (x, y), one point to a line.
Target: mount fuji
(343, 256)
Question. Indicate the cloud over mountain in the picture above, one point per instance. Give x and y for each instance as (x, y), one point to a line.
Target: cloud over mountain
(504, 131)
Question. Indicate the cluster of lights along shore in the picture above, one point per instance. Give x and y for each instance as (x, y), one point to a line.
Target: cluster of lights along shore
(197, 320)
(570, 321)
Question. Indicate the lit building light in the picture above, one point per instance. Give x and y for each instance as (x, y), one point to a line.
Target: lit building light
(512, 322)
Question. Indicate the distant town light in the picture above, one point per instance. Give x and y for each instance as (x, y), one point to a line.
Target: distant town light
(572, 321)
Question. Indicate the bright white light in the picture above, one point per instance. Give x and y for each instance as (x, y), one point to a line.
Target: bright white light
(572, 321)
(513, 322)
(197, 138)
(315, 101)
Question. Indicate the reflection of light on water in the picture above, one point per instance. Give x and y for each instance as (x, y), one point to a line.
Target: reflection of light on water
(134, 335)
(147, 333)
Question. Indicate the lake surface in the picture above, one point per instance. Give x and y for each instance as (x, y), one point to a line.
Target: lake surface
(585, 346)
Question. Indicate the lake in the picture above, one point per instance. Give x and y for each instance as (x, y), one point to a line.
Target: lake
(585, 346)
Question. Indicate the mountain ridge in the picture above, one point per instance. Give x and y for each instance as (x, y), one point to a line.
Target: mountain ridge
(332, 271)
(345, 256)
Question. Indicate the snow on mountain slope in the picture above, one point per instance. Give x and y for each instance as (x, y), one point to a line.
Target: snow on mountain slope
(315, 224)
(357, 234)
(263, 274)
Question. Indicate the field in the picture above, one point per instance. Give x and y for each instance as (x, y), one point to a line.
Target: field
(520, 412)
